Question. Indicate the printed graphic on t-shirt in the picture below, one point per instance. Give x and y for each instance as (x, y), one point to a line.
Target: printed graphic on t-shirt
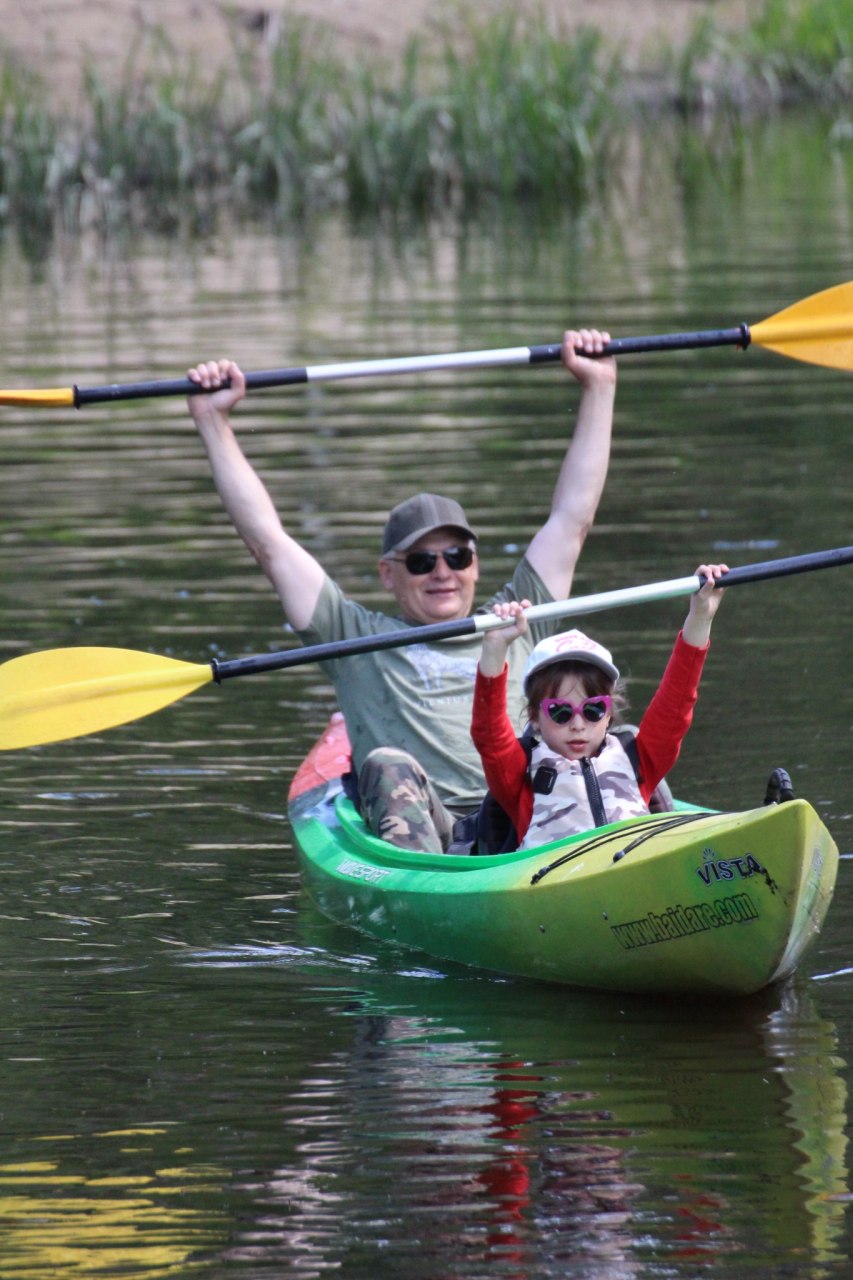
(434, 666)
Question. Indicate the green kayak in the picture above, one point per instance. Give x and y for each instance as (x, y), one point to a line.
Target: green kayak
(684, 901)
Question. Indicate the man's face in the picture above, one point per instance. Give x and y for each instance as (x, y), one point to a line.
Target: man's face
(441, 595)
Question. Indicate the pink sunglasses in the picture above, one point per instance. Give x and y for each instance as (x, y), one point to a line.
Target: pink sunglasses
(561, 711)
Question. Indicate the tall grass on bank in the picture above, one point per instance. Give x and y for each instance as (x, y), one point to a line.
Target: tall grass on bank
(504, 111)
(804, 51)
(30, 176)
(528, 115)
(280, 120)
(155, 136)
(792, 51)
(494, 113)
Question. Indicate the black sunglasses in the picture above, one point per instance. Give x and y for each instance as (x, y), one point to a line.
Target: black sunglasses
(419, 563)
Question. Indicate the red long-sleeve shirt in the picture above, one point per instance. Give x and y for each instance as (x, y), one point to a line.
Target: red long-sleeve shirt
(661, 732)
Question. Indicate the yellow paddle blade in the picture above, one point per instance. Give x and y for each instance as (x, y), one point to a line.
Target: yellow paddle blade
(67, 693)
(818, 330)
(61, 397)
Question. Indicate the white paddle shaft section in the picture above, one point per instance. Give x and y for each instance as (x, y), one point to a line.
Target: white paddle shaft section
(602, 600)
(418, 364)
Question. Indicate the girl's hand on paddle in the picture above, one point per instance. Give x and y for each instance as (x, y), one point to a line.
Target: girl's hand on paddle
(211, 375)
(707, 599)
(579, 356)
(497, 641)
(704, 604)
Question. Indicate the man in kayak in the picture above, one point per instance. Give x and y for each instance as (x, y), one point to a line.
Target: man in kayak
(408, 710)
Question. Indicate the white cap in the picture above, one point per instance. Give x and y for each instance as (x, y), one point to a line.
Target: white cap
(569, 645)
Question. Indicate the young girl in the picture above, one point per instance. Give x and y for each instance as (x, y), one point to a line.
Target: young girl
(579, 776)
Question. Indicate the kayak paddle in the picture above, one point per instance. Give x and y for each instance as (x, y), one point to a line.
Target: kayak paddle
(67, 693)
(818, 330)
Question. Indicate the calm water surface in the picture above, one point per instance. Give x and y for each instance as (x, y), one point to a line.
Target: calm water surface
(199, 1075)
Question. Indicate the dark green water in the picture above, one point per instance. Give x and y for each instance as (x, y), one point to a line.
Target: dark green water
(198, 1074)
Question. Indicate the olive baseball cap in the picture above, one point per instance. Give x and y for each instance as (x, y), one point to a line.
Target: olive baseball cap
(421, 514)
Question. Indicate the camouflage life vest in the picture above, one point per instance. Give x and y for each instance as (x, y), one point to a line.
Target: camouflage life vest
(570, 796)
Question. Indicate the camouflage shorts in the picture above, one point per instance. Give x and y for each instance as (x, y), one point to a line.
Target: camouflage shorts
(399, 803)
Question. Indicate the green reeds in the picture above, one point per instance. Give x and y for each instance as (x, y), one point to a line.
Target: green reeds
(393, 139)
(157, 140)
(531, 116)
(804, 50)
(501, 112)
(280, 116)
(505, 112)
(791, 51)
(29, 176)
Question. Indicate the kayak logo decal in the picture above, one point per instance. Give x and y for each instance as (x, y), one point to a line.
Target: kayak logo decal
(682, 922)
(715, 868)
(361, 871)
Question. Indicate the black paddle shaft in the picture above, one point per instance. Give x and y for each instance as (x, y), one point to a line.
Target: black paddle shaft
(738, 337)
(182, 387)
(342, 648)
(546, 353)
(284, 658)
(787, 565)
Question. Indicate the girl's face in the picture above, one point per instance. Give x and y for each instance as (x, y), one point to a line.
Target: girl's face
(577, 738)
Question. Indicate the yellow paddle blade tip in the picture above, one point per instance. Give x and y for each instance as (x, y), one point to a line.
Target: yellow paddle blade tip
(69, 693)
(817, 330)
(59, 397)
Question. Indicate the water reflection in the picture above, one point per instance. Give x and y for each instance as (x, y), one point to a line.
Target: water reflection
(619, 1133)
(440, 1124)
(57, 1222)
(807, 1052)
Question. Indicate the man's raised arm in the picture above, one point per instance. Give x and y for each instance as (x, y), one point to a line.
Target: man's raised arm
(296, 576)
(554, 550)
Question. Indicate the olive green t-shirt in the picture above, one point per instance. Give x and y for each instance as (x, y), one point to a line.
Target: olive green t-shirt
(418, 698)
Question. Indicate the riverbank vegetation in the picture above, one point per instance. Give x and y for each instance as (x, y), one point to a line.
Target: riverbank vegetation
(495, 112)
